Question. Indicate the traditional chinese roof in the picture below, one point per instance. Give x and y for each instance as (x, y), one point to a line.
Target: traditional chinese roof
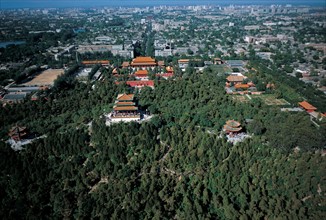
(93, 62)
(141, 73)
(235, 78)
(125, 64)
(307, 106)
(125, 108)
(124, 103)
(232, 126)
(241, 86)
(233, 123)
(160, 63)
(143, 61)
(140, 83)
(17, 132)
(169, 69)
(115, 71)
(166, 74)
(125, 97)
(231, 129)
(183, 61)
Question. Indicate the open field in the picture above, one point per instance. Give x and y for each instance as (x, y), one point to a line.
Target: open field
(47, 77)
(271, 100)
(240, 98)
(223, 68)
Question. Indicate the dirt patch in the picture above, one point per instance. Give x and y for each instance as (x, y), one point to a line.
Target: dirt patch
(45, 78)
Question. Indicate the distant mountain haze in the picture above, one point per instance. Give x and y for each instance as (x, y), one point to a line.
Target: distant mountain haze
(7, 4)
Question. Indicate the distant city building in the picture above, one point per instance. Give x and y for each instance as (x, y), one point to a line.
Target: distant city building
(115, 49)
(95, 62)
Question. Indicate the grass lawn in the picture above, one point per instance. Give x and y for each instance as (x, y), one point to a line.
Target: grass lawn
(269, 99)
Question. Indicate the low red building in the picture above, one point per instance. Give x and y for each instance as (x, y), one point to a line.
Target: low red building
(235, 79)
(94, 62)
(141, 74)
(140, 84)
(307, 106)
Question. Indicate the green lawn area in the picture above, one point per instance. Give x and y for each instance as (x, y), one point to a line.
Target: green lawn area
(223, 68)
(270, 99)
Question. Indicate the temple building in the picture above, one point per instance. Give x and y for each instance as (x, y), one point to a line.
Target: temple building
(169, 73)
(141, 74)
(141, 84)
(143, 63)
(307, 106)
(17, 133)
(183, 63)
(96, 62)
(232, 126)
(125, 109)
(125, 64)
(235, 79)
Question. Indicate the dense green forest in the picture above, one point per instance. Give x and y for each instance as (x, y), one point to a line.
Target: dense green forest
(175, 166)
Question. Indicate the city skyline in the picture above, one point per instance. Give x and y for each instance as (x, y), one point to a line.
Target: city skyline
(5, 4)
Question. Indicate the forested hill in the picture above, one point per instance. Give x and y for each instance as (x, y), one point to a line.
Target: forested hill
(176, 166)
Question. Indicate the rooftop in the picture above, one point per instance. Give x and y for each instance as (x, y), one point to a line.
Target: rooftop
(91, 62)
(125, 108)
(307, 106)
(141, 73)
(125, 64)
(143, 60)
(140, 83)
(125, 97)
(183, 61)
(235, 78)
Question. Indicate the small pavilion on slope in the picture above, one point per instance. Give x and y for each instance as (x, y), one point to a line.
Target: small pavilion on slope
(17, 133)
(125, 109)
(232, 126)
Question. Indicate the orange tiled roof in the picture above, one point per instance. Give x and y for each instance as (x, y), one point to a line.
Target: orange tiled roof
(233, 123)
(143, 60)
(141, 73)
(125, 97)
(307, 106)
(140, 83)
(125, 64)
(125, 108)
(235, 78)
(91, 62)
(232, 126)
(160, 63)
(169, 69)
(183, 61)
(241, 86)
(231, 129)
(124, 103)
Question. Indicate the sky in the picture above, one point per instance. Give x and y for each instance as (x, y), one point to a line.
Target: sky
(5, 4)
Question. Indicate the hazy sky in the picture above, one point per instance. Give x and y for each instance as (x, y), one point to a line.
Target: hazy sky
(93, 3)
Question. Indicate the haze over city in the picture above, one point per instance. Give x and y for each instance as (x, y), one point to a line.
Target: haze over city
(144, 3)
